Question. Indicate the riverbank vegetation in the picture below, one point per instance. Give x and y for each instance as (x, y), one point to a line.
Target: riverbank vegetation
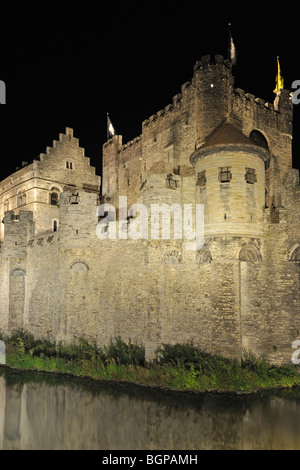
(176, 367)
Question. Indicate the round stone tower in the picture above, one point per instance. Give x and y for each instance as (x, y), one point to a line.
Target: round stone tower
(230, 182)
(213, 81)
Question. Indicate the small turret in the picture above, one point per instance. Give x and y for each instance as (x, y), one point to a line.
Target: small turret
(213, 81)
(110, 164)
(230, 175)
(19, 229)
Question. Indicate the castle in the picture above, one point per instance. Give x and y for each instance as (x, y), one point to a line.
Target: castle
(214, 146)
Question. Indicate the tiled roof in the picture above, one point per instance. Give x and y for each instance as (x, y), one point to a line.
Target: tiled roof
(227, 134)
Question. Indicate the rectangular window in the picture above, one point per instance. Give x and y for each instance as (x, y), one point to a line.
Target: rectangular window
(225, 174)
(69, 166)
(250, 175)
(172, 183)
(54, 199)
(201, 179)
(74, 199)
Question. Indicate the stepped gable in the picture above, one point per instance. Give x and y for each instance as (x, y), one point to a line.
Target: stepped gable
(226, 134)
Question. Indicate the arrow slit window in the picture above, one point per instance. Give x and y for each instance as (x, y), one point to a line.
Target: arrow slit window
(201, 179)
(250, 176)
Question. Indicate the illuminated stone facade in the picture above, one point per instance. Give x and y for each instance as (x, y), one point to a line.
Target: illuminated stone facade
(215, 145)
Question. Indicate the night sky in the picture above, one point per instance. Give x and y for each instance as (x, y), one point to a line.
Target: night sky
(69, 66)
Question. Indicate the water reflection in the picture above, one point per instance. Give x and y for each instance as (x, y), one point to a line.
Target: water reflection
(41, 411)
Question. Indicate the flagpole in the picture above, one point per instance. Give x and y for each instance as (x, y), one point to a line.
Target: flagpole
(229, 41)
(107, 133)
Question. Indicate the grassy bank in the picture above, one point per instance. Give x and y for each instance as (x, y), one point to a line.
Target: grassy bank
(178, 367)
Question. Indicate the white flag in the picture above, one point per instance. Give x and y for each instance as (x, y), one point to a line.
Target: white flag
(110, 127)
(232, 52)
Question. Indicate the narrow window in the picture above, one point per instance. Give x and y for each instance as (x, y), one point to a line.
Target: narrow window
(225, 174)
(54, 199)
(201, 179)
(71, 166)
(19, 200)
(55, 226)
(250, 176)
(67, 165)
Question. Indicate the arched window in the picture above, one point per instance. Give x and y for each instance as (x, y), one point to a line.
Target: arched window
(250, 254)
(54, 196)
(80, 266)
(17, 272)
(19, 199)
(259, 139)
(54, 199)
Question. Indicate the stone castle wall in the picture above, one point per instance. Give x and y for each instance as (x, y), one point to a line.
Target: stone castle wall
(239, 291)
(234, 294)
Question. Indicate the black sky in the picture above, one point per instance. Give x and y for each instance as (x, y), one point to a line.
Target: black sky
(68, 65)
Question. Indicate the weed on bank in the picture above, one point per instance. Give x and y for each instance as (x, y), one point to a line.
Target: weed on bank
(177, 367)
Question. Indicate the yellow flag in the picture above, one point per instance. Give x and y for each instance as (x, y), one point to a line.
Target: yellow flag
(279, 79)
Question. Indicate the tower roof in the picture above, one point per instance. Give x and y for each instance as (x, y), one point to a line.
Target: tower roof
(226, 134)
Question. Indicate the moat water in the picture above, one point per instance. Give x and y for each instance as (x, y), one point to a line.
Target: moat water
(44, 411)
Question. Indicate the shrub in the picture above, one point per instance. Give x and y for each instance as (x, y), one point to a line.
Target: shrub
(177, 354)
(259, 365)
(79, 349)
(124, 353)
(187, 354)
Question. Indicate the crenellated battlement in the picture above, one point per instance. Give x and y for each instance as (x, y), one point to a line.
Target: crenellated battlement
(250, 99)
(131, 143)
(23, 217)
(179, 98)
(175, 105)
(170, 135)
(207, 61)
